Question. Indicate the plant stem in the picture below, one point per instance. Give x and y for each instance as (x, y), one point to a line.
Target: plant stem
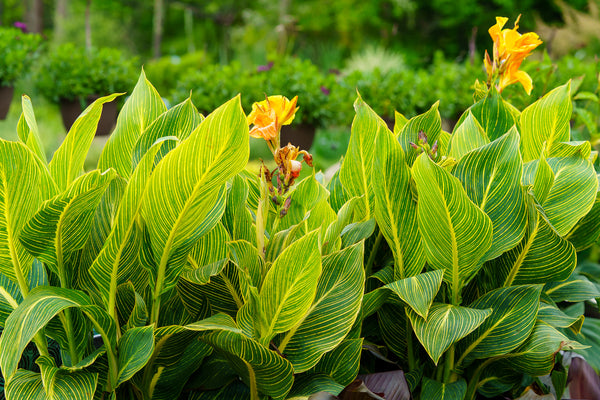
(473, 383)
(449, 365)
(409, 345)
(260, 217)
(371, 260)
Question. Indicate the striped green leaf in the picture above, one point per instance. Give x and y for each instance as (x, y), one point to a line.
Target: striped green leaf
(357, 231)
(248, 260)
(589, 336)
(445, 325)
(357, 168)
(131, 307)
(42, 304)
(314, 386)
(574, 289)
(443, 391)
(395, 210)
(399, 122)
(337, 194)
(572, 193)
(28, 131)
(233, 391)
(263, 370)
(455, 232)
(51, 384)
(178, 122)
(494, 114)
(342, 363)
(333, 311)
(542, 180)
(587, 231)
(67, 163)
(62, 224)
(467, 136)
(345, 216)
(135, 348)
(542, 256)
(429, 122)
(289, 287)
(394, 328)
(491, 176)
(572, 148)
(118, 259)
(141, 108)
(546, 121)
(238, 218)
(514, 312)
(418, 291)
(555, 317)
(535, 357)
(305, 197)
(20, 197)
(178, 211)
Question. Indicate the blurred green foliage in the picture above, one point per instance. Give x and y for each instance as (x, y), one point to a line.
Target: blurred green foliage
(16, 54)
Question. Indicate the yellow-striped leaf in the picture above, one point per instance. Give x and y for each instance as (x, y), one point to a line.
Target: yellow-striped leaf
(178, 211)
(542, 256)
(429, 122)
(399, 122)
(467, 136)
(572, 193)
(178, 122)
(394, 328)
(28, 131)
(135, 348)
(333, 312)
(238, 218)
(443, 391)
(445, 325)
(357, 168)
(141, 108)
(455, 232)
(514, 312)
(418, 291)
(574, 289)
(491, 176)
(305, 197)
(395, 210)
(342, 363)
(587, 231)
(67, 163)
(555, 317)
(546, 121)
(289, 287)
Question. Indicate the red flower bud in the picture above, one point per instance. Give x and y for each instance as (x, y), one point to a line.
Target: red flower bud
(296, 167)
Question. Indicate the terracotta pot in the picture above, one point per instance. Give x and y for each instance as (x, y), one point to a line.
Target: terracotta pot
(301, 135)
(71, 109)
(6, 96)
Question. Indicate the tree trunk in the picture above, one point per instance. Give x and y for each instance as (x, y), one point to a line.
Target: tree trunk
(35, 16)
(157, 31)
(88, 27)
(60, 17)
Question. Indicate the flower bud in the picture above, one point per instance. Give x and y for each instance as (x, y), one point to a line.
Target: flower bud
(308, 159)
(296, 167)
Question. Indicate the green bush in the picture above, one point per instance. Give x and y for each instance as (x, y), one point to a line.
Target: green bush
(16, 54)
(167, 71)
(69, 72)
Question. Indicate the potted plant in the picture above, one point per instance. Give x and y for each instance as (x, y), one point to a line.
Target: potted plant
(73, 77)
(16, 49)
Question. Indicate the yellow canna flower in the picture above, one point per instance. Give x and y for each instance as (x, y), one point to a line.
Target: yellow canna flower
(510, 49)
(269, 115)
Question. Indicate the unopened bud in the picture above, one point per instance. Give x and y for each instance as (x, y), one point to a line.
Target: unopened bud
(414, 146)
(296, 167)
(422, 137)
(308, 159)
(434, 148)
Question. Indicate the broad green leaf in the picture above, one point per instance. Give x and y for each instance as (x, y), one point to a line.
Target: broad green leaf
(51, 384)
(342, 363)
(28, 131)
(20, 197)
(418, 291)
(395, 210)
(455, 232)
(491, 176)
(572, 193)
(333, 312)
(177, 122)
(373, 301)
(445, 325)
(131, 308)
(542, 256)
(67, 163)
(118, 260)
(514, 312)
(178, 211)
(357, 168)
(235, 390)
(429, 122)
(589, 336)
(568, 149)
(493, 113)
(394, 328)
(290, 286)
(307, 386)
(576, 288)
(135, 348)
(443, 391)
(247, 258)
(42, 304)
(536, 355)
(587, 231)
(238, 218)
(556, 318)
(357, 231)
(62, 224)
(399, 122)
(345, 217)
(543, 180)
(260, 368)
(337, 194)
(467, 136)
(141, 108)
(306, 195)
(546, 121)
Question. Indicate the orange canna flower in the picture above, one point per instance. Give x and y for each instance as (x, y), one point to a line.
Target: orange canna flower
(510, 49)
(269, 115)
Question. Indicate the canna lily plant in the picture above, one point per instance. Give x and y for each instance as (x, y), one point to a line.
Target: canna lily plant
(171, 272)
